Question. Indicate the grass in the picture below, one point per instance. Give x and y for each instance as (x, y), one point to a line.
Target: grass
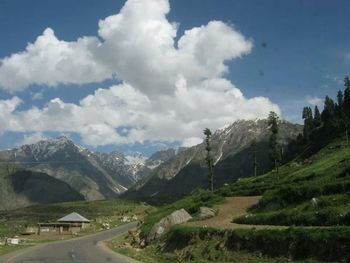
(330, 164)
(8, 249)
(330, 210)
(188, 244)
(287, 197)
(314, 192)
(323, 244)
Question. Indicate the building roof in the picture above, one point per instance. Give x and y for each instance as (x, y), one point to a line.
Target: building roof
(74, 217)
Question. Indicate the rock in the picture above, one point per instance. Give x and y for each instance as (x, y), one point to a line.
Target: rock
(307, 161)
(164, 225)
(30, 231)
(206, 212)
(143, 243)
(314, 202)
(125, 219)
(135, 237)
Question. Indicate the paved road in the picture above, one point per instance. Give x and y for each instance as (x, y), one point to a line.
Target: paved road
(89, 249)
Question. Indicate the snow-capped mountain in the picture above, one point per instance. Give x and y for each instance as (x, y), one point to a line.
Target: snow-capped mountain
(160, 157)
(93, 174)
(125, 169)
(64, 160)
(232, 154)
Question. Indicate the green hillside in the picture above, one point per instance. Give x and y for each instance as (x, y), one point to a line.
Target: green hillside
(308, 200)
(315, 192)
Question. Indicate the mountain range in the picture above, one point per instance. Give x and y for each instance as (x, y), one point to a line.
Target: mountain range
(92, 175)
(81, 174)
(232, 152)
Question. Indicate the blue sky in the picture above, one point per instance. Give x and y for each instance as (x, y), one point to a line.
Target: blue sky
(300, 52)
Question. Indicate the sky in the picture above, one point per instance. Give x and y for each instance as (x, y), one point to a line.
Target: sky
(143, 75)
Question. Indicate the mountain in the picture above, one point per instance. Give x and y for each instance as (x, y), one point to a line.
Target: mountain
(95, 175)
(68, 162)
(160, 157)
(232, 152)
(19, 188)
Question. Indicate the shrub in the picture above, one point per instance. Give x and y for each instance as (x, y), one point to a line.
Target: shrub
(325, 244)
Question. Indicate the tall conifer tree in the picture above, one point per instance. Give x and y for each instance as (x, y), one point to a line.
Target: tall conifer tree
(209, 159)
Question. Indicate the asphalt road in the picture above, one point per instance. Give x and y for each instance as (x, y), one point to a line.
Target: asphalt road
(89, 249)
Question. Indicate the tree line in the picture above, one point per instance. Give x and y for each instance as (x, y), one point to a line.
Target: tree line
(318, 130)
(322, 127)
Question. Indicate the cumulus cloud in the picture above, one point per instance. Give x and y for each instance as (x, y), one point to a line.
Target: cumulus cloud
(170, 90)
(49, 61)
(315, 101)
(37, 95)
(32, 138)
(137, 45)
(179, 117)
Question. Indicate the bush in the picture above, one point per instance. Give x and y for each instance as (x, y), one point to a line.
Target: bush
(325, 244)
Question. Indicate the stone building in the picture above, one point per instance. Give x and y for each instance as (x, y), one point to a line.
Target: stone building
(68, 224)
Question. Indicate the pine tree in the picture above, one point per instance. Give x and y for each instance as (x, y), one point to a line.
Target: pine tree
(339, 111)
(255, 163)
(308, 122)
(273, 142)
(317, 117)
(209, 159)
(328, 113)
(340, 98)
(346, 107)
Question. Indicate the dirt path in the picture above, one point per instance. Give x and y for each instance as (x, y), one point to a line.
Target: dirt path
(233, 207)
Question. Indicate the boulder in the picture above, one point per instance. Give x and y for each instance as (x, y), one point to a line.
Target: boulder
(206, 212)
(164, 225)
(30, 231)
(314, 202)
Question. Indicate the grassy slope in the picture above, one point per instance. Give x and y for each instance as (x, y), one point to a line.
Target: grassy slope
(286, 201)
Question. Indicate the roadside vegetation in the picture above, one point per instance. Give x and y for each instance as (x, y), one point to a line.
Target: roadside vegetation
(203, 245)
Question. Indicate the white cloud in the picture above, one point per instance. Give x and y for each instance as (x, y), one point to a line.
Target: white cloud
(138, 45)
(170, 91)
(191, 141)
(49, 61)
(315, 101)
(32, 138)
(164, 118)
(37, 95)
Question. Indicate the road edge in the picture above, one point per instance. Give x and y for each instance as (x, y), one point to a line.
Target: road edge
(10, 256)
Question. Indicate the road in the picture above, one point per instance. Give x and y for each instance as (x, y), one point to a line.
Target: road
(89, 249)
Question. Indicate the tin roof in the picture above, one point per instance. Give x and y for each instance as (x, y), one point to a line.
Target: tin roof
(73, 217)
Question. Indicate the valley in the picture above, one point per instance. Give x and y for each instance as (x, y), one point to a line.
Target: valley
(87, 175)
(164, 131)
